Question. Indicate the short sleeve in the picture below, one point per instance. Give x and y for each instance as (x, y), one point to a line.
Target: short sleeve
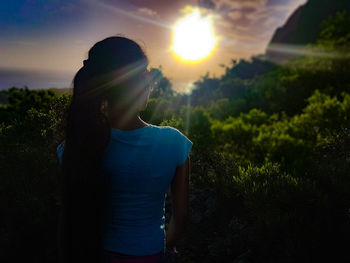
(60, 149)
(183, 145)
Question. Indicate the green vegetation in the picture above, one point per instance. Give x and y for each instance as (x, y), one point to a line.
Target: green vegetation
(274, 140)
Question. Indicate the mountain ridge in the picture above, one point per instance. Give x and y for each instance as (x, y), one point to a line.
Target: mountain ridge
(303, 26)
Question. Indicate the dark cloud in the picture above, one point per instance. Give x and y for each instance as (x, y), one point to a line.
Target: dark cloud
(253, 15)
(208, 4)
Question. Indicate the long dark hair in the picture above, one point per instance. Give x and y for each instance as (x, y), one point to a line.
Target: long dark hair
(110, 62)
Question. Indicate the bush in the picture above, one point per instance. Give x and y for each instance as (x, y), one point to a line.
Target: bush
(29, 183)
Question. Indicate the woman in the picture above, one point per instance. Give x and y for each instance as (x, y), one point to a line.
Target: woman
(116, 167)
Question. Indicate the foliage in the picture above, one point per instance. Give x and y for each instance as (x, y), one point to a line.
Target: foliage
(205, 90)
(273, 140)
(29, 181)
(248, 69)
(335, 31)
(21, 100)
(157, 110)
(162, 86)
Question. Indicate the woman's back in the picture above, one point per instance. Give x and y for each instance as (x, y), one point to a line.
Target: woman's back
(138, 167)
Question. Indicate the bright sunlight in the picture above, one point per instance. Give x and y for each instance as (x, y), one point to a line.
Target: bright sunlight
(193, 37)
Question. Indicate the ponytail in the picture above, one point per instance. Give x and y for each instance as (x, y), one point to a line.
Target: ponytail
(87, 135)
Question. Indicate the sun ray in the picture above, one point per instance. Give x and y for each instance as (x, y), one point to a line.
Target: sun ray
(275, 51)
(114, 9)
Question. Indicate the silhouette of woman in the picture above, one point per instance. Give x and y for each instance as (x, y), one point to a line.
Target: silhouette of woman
(117, 168)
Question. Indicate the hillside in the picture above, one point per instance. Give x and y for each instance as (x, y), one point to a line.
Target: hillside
(304, 25)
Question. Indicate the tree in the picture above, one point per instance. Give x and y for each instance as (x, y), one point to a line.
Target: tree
(162, 86)
(335, 31)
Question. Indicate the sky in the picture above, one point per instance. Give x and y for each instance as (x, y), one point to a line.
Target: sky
(54, 36)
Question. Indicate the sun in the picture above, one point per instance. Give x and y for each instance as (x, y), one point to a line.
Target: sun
(193, 37)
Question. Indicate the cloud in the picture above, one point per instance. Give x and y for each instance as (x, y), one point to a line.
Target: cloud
(238, 4)
(235, 15)
(255, 17)
(208, 4)
(246, 26)
(147, 12)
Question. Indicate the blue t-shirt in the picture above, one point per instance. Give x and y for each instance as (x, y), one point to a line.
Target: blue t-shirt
(139, 166)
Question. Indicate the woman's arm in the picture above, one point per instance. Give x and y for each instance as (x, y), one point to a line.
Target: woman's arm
(180, 205)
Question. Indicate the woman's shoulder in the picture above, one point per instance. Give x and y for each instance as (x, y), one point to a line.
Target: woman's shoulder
(172, 134)
(180, 145)
(165, 128)
(168, 130)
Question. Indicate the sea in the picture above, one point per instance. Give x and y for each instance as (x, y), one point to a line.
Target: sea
(34, 79)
